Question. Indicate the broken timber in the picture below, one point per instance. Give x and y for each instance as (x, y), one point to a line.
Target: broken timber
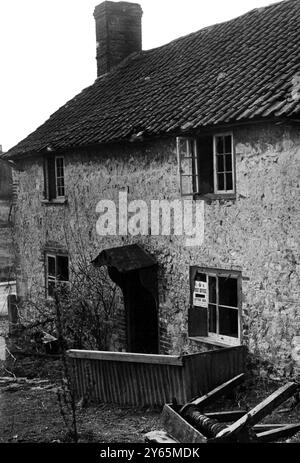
(189, 424)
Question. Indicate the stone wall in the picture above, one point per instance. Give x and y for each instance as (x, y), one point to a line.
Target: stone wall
(257, 233)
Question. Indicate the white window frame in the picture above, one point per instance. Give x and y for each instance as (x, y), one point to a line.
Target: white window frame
(217, 337)
(193, 156)
(216, 191)
(54, 278)
(57, 176)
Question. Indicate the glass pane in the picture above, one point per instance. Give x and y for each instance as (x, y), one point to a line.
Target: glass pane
(212, 289)
(228, 162)
(187, 184)
(212, 318)
(228, 291)
(62, 268)
(220, 181)
(186, 166)
(220, 163)
(185, 147)
(228, 146)
(51, 266)
(220, 145)
(200, 277)
(228, 322)
(51, 288)
(229, 181)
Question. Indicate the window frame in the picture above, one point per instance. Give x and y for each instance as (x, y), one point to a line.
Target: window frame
(194, 161)
(58, 196)
(196, 192)
(52, 278)
(215, 154)
(51, 177)
(212, 337)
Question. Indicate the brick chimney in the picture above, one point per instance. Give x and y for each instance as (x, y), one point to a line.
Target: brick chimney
(118, 33)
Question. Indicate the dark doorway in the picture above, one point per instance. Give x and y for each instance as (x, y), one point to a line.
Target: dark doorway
(142, 317)
(135, 271)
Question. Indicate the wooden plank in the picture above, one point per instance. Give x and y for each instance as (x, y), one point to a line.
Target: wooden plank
(126, 357)
(215, 393)
(261, 410)
(224, 417)
(278, 433)
(267, 427)
(180, 429)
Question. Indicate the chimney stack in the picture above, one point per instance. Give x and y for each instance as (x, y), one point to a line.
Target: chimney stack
(118, 33)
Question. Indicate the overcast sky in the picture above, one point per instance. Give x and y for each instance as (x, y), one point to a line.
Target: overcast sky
(48, 48)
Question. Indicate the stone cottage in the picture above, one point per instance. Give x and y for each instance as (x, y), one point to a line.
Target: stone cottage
(7, 274)
(211, 119)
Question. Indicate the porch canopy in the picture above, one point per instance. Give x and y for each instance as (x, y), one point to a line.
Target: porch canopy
(125, 258)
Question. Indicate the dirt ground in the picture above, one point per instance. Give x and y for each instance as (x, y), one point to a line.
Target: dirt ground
(32, 414)
(29, 412)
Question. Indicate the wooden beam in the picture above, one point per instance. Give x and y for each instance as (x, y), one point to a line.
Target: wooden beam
(125, 357)
(224, 417)
(215, 393)
(267, 427)
(261, 410)
(279, 433)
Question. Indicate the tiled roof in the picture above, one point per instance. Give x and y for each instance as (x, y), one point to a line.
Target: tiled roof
(243, 69)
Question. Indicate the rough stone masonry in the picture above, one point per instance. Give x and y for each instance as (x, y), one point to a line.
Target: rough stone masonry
(256, 233)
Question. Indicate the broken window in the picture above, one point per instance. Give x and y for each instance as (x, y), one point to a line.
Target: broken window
(215, 305)
(57, 272)
(206, 164)
(54, 177)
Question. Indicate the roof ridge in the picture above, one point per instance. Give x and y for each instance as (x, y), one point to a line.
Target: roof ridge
(212, 26)
(208, 77)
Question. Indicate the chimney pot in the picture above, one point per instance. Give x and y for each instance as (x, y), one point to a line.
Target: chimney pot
(118, 33)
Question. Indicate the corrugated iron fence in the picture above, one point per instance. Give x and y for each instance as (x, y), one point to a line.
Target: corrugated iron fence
(142, 379)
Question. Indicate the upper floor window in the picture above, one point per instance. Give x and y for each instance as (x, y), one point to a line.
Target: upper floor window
(54, 177)
(57, 272)
(215, 311)
(206, 165)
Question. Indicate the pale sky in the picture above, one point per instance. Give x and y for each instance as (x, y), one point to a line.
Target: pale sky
(48, 49)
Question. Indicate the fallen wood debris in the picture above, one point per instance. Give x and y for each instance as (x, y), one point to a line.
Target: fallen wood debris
(190, 424)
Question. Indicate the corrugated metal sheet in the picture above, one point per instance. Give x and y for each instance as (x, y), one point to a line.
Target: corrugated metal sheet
(142, 383)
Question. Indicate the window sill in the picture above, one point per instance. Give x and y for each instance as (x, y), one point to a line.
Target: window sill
(55, 201)
(216, 196)
(214, 342)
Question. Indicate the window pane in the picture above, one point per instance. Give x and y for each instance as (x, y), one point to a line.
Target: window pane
(60, 177)
(228, 291)
(62, 268)
(220, 163)
(229, 181)
(219, 145)
(228, 163)
(228, 322)
(186, 166)
(200, 277)
(51, 266)
(220, 181)
(228, 146)
(212, 289)
(51, 288)
(212, 318)
(187, 184)
(184, 147)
